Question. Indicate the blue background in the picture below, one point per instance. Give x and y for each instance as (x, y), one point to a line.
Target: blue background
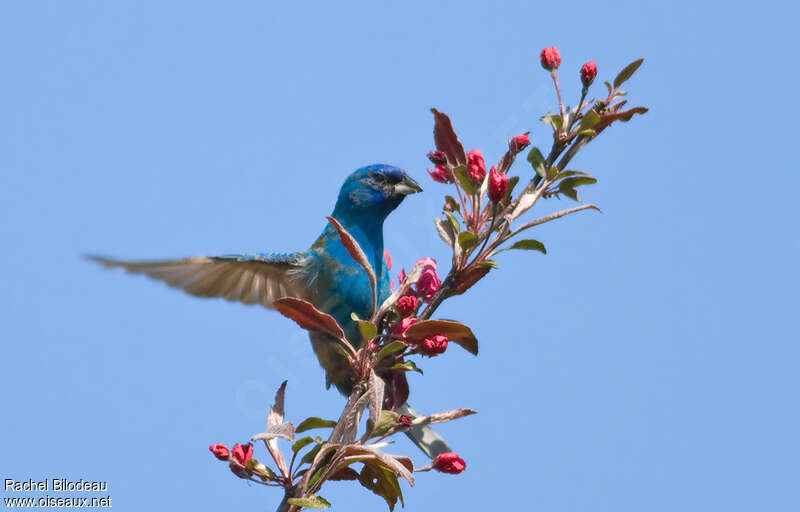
(646, 363)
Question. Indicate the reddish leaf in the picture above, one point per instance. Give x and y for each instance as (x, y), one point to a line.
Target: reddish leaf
(455, 332)
(466, 279)
(308, 317)
(607, 119)
(344, 474)
(274, 420)
(446, 139)
(357, 254)
(396, 390)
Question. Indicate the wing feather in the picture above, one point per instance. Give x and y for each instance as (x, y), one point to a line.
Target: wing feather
(258, 279)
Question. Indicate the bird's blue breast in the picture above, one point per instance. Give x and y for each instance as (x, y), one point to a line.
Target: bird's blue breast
(342, 287)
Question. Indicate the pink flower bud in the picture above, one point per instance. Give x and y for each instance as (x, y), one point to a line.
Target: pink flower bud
(220, 451)
(407, 304)
(449, 462)
(401, 276)
(437, 157)
(242, 454)
(498, 184)
(428, 283)
(434, 345)
(550, 58)
(519, 143)
(476, 166)
(405, 420)
(427, 263)
(388, 258)
(588, 73)
(404, 325)
(441, 174)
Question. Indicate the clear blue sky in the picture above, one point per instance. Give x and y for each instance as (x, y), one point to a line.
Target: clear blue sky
(648, 362)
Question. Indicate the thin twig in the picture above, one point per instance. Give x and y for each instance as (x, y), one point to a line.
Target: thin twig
(552, 216)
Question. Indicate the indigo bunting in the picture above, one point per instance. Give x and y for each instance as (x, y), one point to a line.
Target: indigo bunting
(325, 274)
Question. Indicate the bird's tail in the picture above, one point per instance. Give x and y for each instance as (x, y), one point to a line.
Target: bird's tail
(431, 443)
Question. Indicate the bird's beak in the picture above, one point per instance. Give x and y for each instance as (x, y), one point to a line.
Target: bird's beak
(407, 186)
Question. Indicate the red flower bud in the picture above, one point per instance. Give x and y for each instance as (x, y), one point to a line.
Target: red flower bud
(588, 73)
(437, 157)
(550, 58)
(242, 454)
(498, 185)
(434, 345)
(449, 462)
(404, 324)
(388, 258)
(407, 304)
(401, 276)
(220, 451)
(476, 166)
(405, 420)
(428, 283)
(441, 174)
(519, 143)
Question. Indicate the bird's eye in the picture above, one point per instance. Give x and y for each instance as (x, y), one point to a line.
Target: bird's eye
(378, 178)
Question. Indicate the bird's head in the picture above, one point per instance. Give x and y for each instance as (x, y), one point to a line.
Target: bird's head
(374, 190)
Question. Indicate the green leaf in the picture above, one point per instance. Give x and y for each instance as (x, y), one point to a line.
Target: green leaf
(567, 185)
(368, 329)
(554, 120)
(608, 85)
(569, 192)
(382, 482)
(488, 264)
(529, 245)
(391, 349)
(310, 501)
(512, 182)
(453, 203)
(308, 458)
(454, 221)
(568, 173)
(537, 161)
(408, 366)
(467, 240)
(590, 118)
(305, 441)
(314, 422)
(464, 180)
(627, 72)
(387, 420)
(577, 181)
(589, 133)
(316, 476)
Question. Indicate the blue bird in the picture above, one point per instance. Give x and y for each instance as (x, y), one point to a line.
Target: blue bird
(325, 274)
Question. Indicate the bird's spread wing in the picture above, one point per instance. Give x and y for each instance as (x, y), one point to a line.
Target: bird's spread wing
(252, 279)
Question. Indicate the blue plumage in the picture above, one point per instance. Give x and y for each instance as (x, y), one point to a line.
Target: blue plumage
(325, 274)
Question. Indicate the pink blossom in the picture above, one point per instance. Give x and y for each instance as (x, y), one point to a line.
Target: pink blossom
(434, 345)
(476, 166)
(404, 325)
(498, 185)
(449, 462)
(441, 174)
(588, 73)
(550, 58)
